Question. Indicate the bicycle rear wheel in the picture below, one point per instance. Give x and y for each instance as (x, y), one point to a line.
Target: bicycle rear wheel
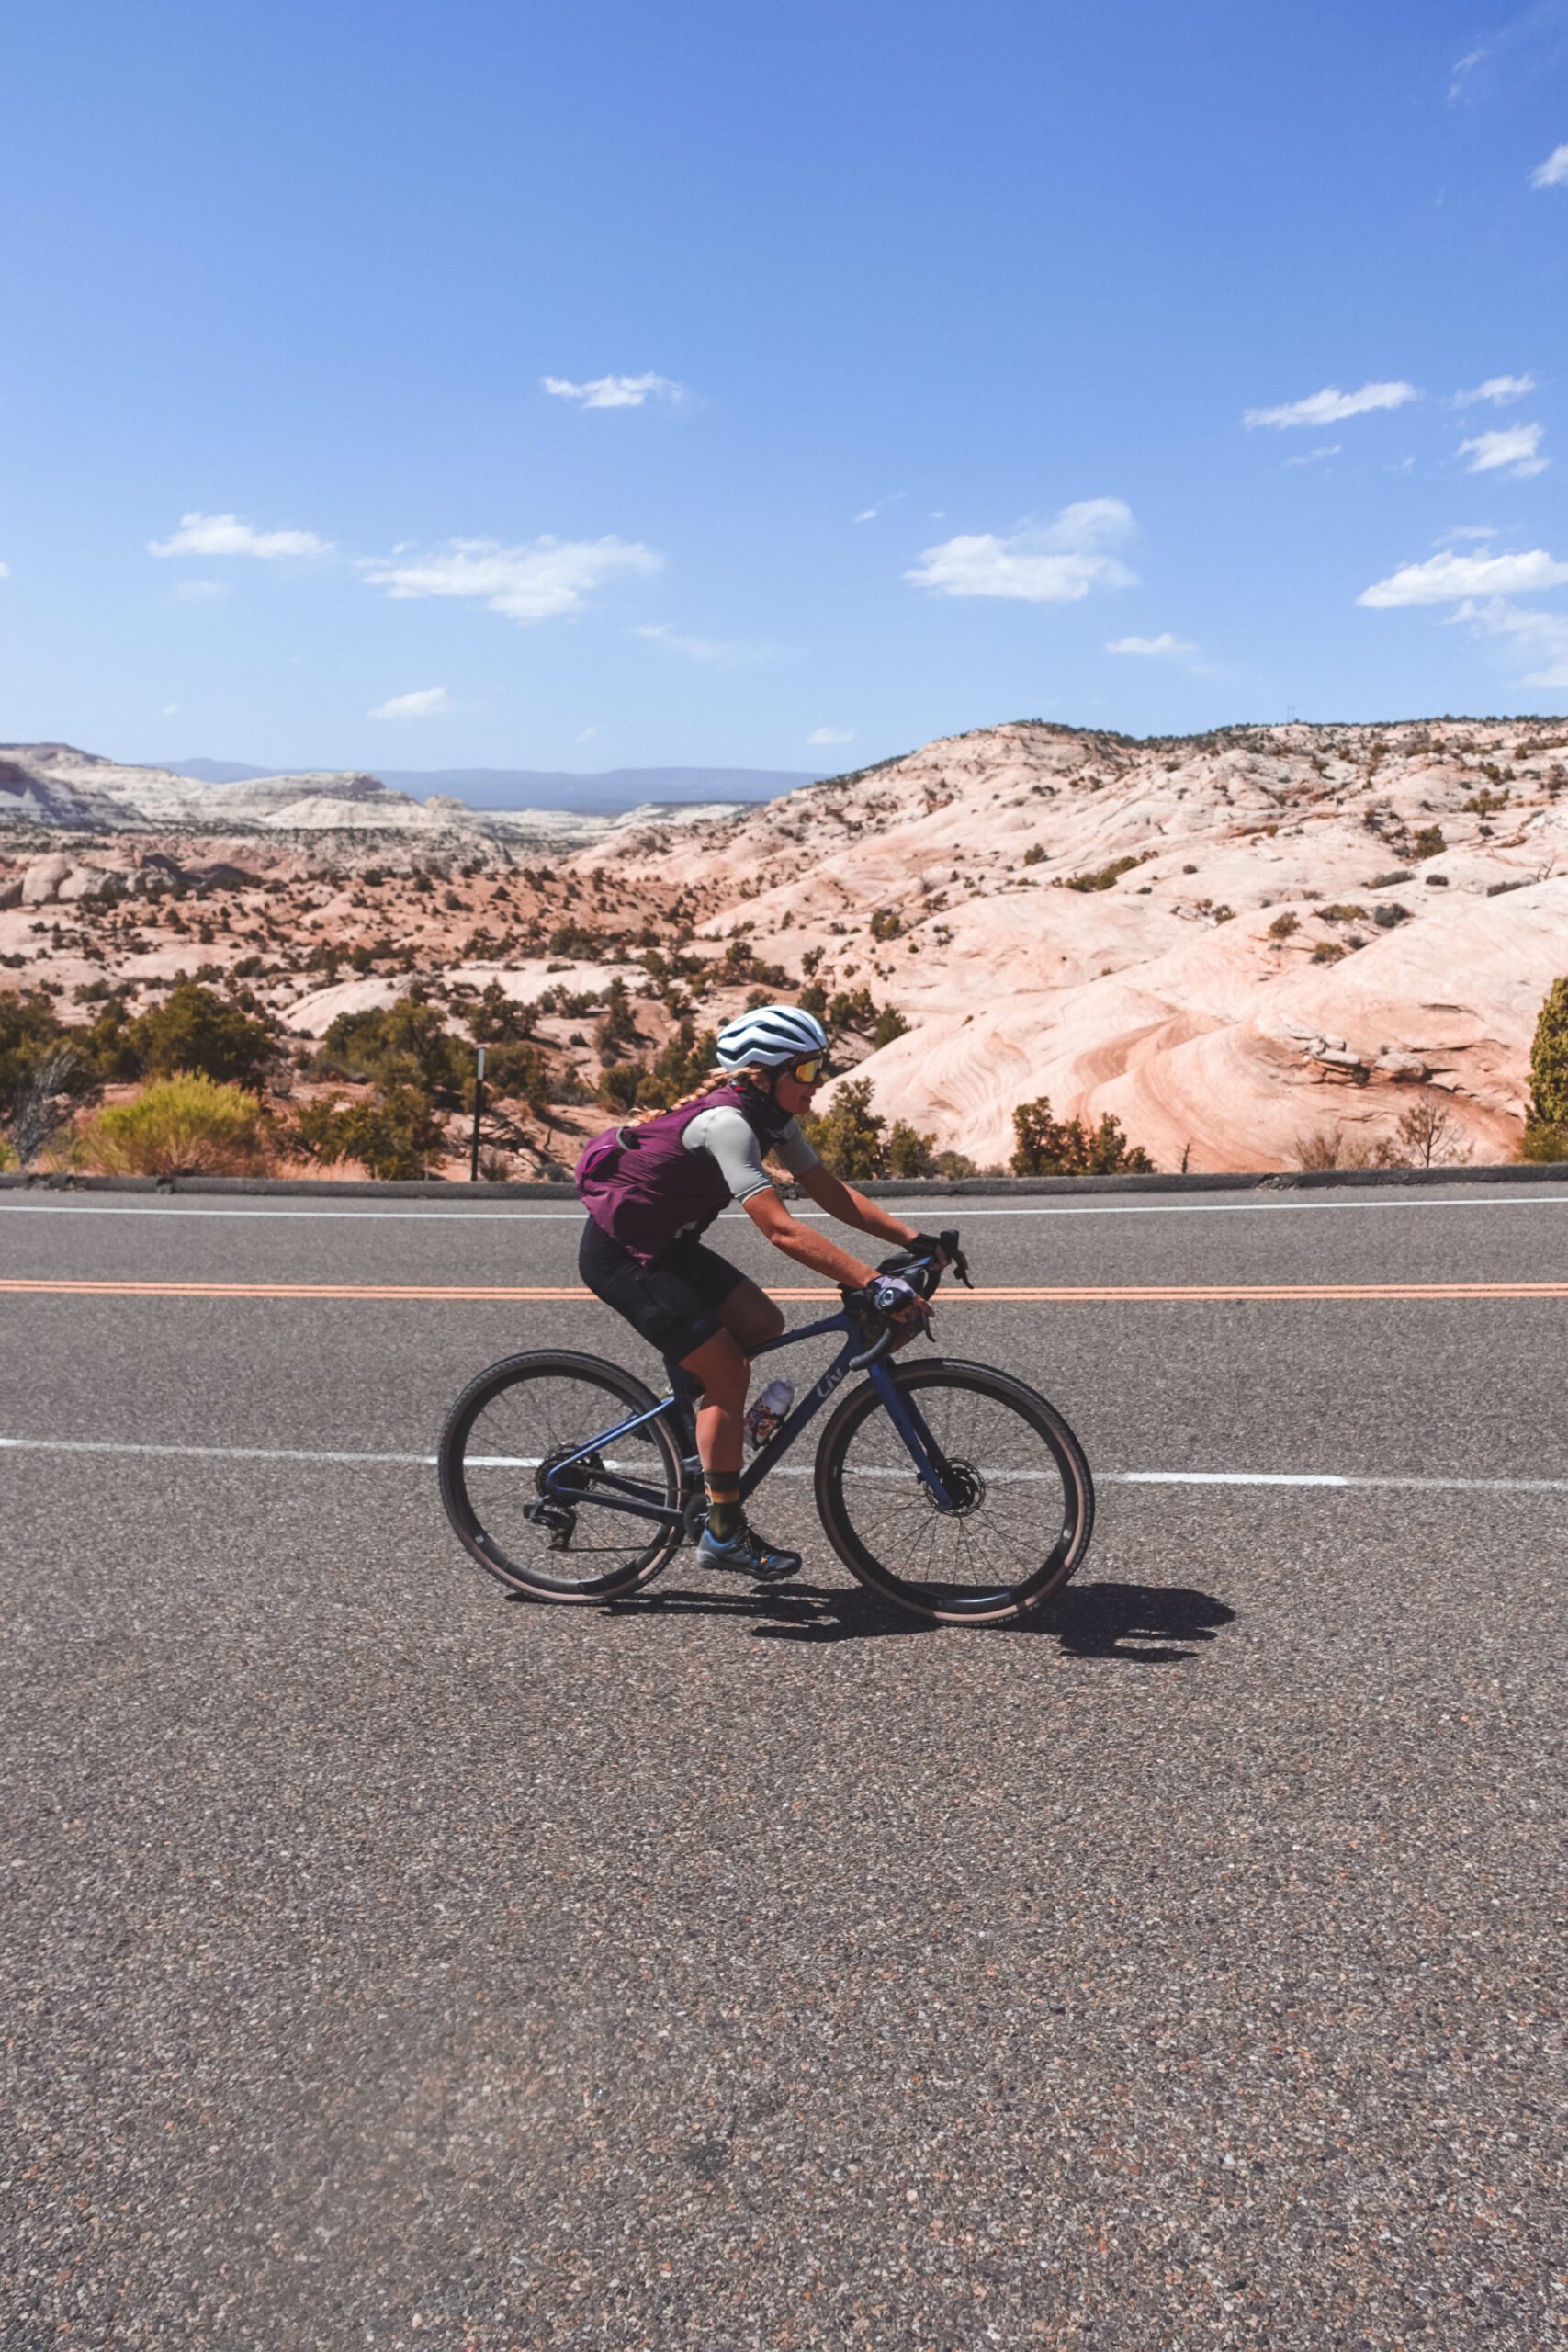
(502, 1438)
(1026, 1512)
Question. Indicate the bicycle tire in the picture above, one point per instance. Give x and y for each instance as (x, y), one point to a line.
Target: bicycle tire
(935, 1600)
(609, 1393)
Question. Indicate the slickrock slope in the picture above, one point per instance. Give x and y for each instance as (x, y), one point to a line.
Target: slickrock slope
(1425, 866)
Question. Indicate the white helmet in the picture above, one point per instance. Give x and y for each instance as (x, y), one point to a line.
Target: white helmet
(769, 1035)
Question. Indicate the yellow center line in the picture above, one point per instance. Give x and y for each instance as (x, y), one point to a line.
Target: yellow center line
(1072, 1295)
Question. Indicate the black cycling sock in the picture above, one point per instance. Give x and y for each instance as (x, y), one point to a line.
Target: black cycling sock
(725, 1516)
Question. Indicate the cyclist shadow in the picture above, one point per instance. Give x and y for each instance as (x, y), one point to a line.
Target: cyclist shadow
(1139, 1624)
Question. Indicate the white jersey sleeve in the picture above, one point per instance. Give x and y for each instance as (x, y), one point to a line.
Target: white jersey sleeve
(724, 1133)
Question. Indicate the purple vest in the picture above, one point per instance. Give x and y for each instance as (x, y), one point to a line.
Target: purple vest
(642, 1187)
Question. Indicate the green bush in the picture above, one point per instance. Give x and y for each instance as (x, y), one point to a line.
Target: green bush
(195, 1032)
(889, 1024)
(886, 923)
(1429, 841)
(618, 1085)
(1546, 1132)
(403, 1044)
(850, 1135)
(681, 1068)
(1049, 1147)
(910, 1153)
(1105, 875)
(394, 1136)
(185, 1126)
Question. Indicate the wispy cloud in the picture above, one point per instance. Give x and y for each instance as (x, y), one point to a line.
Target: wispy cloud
(831, 735)
(1498, 390)
(1152, 649)
(427, 702)
(723, 653)
(1054, 565)
(201, 592)
(5, 571)
(1463, 67)
(1553, 173)
(1541, 638)
(225, 535)
(1331, 406)
(1464, 531)
(1315, 456)
(1447, 579)
(613, 391)
(1512, 450)
(870, 513)
(536, 583)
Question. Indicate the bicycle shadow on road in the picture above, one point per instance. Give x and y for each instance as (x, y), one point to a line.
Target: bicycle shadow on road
(1138, 1624)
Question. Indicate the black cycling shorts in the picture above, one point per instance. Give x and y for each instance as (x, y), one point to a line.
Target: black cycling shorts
(674, 1304)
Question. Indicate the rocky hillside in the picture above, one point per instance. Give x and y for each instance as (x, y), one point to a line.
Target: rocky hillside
(53, 787)
(1228, 941)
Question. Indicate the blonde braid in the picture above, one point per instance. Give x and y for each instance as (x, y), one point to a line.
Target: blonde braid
(709, 1085)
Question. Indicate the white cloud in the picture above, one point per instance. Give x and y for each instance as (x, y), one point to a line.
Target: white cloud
(722, 652)
(831, 735)
(1054, 565)
(1446, 579)
(586, 735)
(870, 513)
(1553, 173)
(426, 703)
(613, 391)
(1315, 456)
(170, 708)
(5, 571)
(201, 592)
(1540, 636)
(528, 584)
(1331, 406)
(1466, 531)
(1151, 649)
(1498, 390)
(1466, 64)
(1513, 446)
(225, 535)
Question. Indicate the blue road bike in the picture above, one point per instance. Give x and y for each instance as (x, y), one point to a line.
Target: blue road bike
(951, 1489)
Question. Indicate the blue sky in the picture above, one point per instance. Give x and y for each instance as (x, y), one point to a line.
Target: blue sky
(902, 361)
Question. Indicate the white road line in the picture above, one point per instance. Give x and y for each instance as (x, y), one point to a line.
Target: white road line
(1293, 1478)
(966, 1215)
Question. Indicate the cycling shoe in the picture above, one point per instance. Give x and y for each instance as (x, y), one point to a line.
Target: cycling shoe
(747, 1555)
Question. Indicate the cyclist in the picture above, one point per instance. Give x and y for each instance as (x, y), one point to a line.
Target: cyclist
(652, 1188)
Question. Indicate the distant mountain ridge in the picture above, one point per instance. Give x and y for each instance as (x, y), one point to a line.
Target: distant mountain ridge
(608, 792)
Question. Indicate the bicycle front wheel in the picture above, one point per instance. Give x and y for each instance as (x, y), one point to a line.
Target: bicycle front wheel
(1025, 1506)
(559, 1537)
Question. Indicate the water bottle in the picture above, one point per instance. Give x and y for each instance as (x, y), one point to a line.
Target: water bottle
(767, 1414)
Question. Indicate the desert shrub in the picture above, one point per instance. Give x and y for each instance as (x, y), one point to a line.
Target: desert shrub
(1035, 855)
(850, 1135)
(1327, 951)
(403, 1044)
(619, 1083)
(1546, 1130)
(517, 1073)
(1429, 1133)
(394, 1135)
(1047, 1146)
(188, 1124)
(1105, 875)
(1428, 842)
(1284, 925)
(8, 1156)
(1347, 912)
(889, 1024)
(1387, 916)
(618, 1028)
(682, 1066)
(910, 1153)
(886, 923)
(195, 1032)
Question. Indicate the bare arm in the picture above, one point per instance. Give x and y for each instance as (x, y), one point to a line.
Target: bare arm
(851, 1208)
(808, 1247)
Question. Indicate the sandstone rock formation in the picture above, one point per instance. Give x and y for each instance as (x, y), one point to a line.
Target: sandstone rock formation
(1227, 943)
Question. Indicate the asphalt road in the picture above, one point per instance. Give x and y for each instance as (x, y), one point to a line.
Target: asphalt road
(391, 1963)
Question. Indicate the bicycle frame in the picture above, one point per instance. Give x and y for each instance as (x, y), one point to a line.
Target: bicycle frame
(625, 1495)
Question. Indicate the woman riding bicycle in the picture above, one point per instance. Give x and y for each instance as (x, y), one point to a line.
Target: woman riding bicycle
(651, 1190)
